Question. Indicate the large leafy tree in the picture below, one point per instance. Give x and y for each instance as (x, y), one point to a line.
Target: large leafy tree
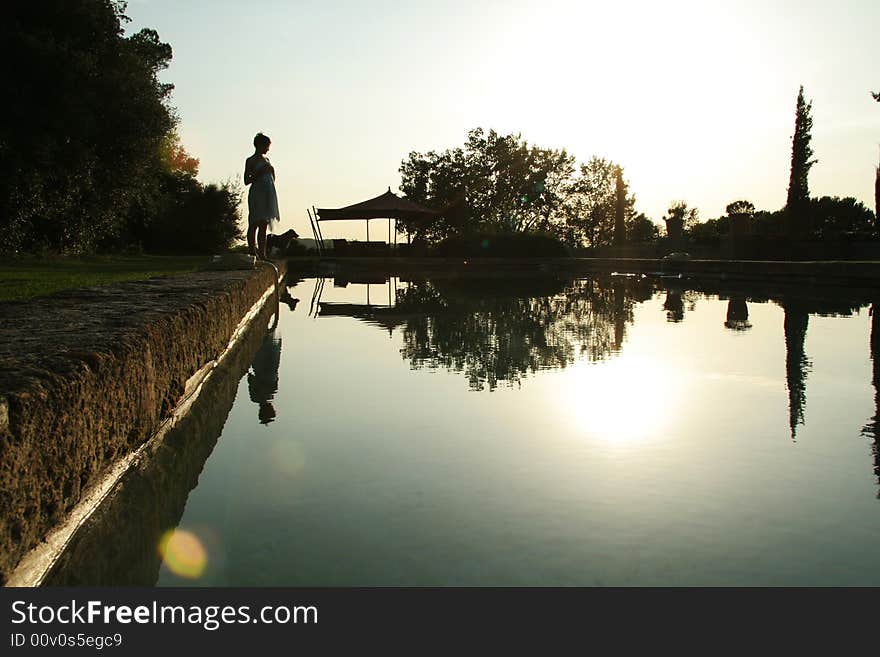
(679, 210)
(837, 218)
(592, 202)
(496, 182)
(81, 134)
(798, 200)
(500, 183)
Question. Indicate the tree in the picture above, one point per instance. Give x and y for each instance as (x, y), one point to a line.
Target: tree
(641, 229)
(193, 218)
(710, 231)
(877, 198)
(877, 182)
(495, 182)
(175, 158)
(619, 208)
(679, 210)
(80, 137)
(801, 153)
(591, 204)
(740, 208)
(840, 218)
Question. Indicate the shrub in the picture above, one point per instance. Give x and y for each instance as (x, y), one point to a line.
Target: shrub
(494, 245)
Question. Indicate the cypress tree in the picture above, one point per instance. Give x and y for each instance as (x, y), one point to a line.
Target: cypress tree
(620, 209)
(877, 198)
(801, 153)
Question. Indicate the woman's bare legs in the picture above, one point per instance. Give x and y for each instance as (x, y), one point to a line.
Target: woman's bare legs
(261, 241)
(251, 234)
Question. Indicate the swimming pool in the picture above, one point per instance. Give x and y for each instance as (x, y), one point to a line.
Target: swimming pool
(521, 430)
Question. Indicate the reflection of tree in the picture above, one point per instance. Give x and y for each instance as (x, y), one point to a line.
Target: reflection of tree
(674, 305)
(872, 428)
(263, 377)
(796, 363)
(737, 314)
(676, 298)
(498, 330)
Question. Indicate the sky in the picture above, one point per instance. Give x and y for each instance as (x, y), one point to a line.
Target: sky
(696, 100)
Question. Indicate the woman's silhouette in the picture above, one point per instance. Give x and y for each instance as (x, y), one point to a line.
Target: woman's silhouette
(262, 199)
(263, 376)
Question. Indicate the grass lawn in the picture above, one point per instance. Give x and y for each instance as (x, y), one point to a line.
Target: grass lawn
(25, 278)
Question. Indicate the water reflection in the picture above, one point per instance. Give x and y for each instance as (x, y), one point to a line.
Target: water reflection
(401, 506)
(123, 542)
(737, 314)
(872, 428)
(499, 330)
(796, 362)
(263, 376)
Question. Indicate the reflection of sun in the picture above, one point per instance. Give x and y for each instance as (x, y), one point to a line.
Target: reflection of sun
(622, 400)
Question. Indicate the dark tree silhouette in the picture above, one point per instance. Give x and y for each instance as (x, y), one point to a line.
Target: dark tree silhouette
(796, 363)
(737, 314)
(499, 332)
(797, 203)
(877, 198)
(641, 229)
(500, 184)
(89, 156)
(494, 181)
(835, 218)
(620, 209)
(591, 203)
(872, 428)
(740, 208)
(81, 133)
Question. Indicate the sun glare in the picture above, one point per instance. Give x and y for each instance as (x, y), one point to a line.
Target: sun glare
(620, 401)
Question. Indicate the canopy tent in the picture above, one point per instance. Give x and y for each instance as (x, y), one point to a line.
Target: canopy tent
(385, 206)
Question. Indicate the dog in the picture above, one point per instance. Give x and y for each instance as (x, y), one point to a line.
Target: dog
(279, 244)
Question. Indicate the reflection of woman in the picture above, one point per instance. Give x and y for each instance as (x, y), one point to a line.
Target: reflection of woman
(262, 199)
(263, 377)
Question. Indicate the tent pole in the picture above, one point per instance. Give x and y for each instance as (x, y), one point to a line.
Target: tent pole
(315, 233)
(318, 225)
(368, 233)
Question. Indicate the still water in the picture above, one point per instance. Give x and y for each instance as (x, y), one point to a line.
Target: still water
(615, 430)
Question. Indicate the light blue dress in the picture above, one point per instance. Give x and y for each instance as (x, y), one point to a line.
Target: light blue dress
(262, 198)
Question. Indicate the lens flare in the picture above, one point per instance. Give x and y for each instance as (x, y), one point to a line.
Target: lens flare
(183, 553)
(288, 458)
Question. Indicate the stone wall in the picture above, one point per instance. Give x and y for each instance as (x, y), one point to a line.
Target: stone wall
(117, 545)
(87, 375)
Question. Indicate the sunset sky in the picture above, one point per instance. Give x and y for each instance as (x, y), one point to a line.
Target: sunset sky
(695, 99)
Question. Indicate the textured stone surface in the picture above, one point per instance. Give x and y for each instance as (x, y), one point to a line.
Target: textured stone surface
(85, 377)
(117, 545)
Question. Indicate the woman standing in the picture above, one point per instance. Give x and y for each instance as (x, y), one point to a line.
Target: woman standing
(262, 198)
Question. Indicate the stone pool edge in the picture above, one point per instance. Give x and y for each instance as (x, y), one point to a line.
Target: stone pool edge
(173, 355)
